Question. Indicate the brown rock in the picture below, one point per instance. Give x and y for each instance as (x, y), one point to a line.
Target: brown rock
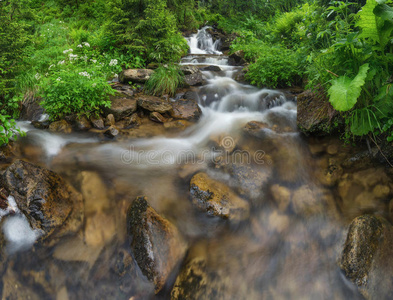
(134, 121)
(83, 123)
(178, 124)
(110, 120)
(306, 201)
(156, 242)
(135, 75)
(97, 122)
(154, 104)
(43, 196)
(186, 109)
(217, 199)
(60, 126)
(157, 117)
(366, 256)
(112, 131)
(282, 196)
(257, 129)
(121, 107)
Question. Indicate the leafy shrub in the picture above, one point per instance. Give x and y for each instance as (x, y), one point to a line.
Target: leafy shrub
(8, 129)
(277, 67)
(165, 80)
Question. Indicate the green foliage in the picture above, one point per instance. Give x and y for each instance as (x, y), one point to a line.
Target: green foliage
(164, 81)
(8, 129)
(345, 91)
(77, 83)
(277, 67)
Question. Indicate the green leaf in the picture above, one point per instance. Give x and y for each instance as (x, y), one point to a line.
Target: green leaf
(344, 92)
(384, 11)
(368, 21)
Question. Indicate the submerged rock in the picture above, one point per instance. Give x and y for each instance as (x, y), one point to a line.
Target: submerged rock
(112, 131)
(121, 107)
(154, 104)
(366, 258)
(135, 75)
(217, 199)
(60, 126)
(186, 109)
(156, 243)
(43, 196)
(134, 121)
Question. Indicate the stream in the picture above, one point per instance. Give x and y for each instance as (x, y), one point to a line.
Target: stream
(247, 138)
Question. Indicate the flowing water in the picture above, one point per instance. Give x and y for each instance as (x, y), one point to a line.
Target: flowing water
(282, 251)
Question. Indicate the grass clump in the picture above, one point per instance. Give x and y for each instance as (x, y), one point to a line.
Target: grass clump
(165, 81)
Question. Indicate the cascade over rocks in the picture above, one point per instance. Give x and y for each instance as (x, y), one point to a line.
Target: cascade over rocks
(156, 243)
(135, 75)
(43, 196)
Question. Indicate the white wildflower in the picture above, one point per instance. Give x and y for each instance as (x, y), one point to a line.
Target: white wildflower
(85, 74)
(309, 35)
(51, 66)
(73, 56)
(94, 84)
(68, 50)
(37, 76)
(93, 60)
(79, 46)
(113, 62)
(58, 79)
(46, 74)
(86, 44)
(61, 62)
(115, 75)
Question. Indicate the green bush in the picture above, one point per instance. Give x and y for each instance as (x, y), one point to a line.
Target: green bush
(276, 67)
(164, 81)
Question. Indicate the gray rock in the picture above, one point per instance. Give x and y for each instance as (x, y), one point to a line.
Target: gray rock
(188, 70)
(195, 79)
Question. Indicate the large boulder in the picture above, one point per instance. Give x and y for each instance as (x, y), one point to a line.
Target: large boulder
(186, 110)
(366, 258)
(217, 199)
(43, 196)
(121, 107)
(315, 114)
(135, 75)
(156, 243)
(154, 104)
(188, 70)
(31, 110)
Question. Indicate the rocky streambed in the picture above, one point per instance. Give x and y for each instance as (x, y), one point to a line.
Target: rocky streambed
(211, 195)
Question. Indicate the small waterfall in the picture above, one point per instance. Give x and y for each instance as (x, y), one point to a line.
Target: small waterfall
(202, 43)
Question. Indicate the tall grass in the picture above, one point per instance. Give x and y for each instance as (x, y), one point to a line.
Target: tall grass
(165, 80)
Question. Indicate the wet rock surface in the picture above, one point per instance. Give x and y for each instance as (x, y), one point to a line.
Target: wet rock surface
(156, 243)
(44, 197)
(194, 79)
(61, 126)
(217, 199)
(366, 256)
